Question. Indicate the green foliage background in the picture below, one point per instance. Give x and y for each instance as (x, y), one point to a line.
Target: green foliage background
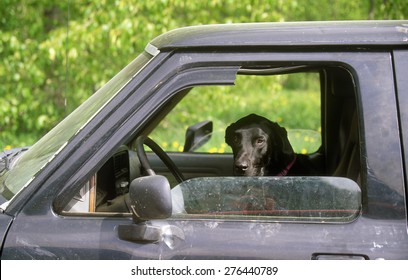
(55, 54)
(274, 97)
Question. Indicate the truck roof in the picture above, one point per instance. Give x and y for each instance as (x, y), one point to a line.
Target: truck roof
(287, 34)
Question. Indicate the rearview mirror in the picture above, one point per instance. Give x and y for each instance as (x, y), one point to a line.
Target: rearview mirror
(197, 135)
(150, 198)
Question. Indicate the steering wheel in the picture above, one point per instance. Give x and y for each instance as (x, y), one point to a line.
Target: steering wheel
(141, 153)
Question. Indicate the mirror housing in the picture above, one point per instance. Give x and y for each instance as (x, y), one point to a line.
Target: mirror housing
(197, 135)
(150, 198)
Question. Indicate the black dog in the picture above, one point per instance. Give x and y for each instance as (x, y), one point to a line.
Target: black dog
(262, 148)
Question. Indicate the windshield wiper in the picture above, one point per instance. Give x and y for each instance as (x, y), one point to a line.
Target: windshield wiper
(7, 157)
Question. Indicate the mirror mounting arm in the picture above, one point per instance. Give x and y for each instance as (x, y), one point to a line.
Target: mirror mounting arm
(149, 233)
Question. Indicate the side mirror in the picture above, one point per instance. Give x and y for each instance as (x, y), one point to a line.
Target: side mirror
(197, 135)
(150, 198)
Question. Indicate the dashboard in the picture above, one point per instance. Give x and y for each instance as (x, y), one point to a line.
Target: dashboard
(105, 191)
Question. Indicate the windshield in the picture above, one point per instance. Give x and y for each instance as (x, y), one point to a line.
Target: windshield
(41, 153)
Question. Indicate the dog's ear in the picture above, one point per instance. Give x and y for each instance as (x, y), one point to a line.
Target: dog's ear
(280, 136)
(229, 131)
(286, 146)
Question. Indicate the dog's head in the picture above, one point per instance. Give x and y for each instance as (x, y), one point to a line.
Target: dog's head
(260, 147)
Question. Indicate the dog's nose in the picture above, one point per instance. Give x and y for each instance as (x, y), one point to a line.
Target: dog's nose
(242, 166)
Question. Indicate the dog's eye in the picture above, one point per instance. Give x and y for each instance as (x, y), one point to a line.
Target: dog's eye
(260, 140)
(235, 140)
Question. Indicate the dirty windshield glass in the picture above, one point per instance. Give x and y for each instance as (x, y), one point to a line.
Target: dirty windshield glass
(41, 153)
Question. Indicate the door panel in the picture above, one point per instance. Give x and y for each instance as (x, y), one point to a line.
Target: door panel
(97, 238)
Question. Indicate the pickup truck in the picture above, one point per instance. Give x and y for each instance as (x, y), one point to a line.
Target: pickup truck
(112, 181)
